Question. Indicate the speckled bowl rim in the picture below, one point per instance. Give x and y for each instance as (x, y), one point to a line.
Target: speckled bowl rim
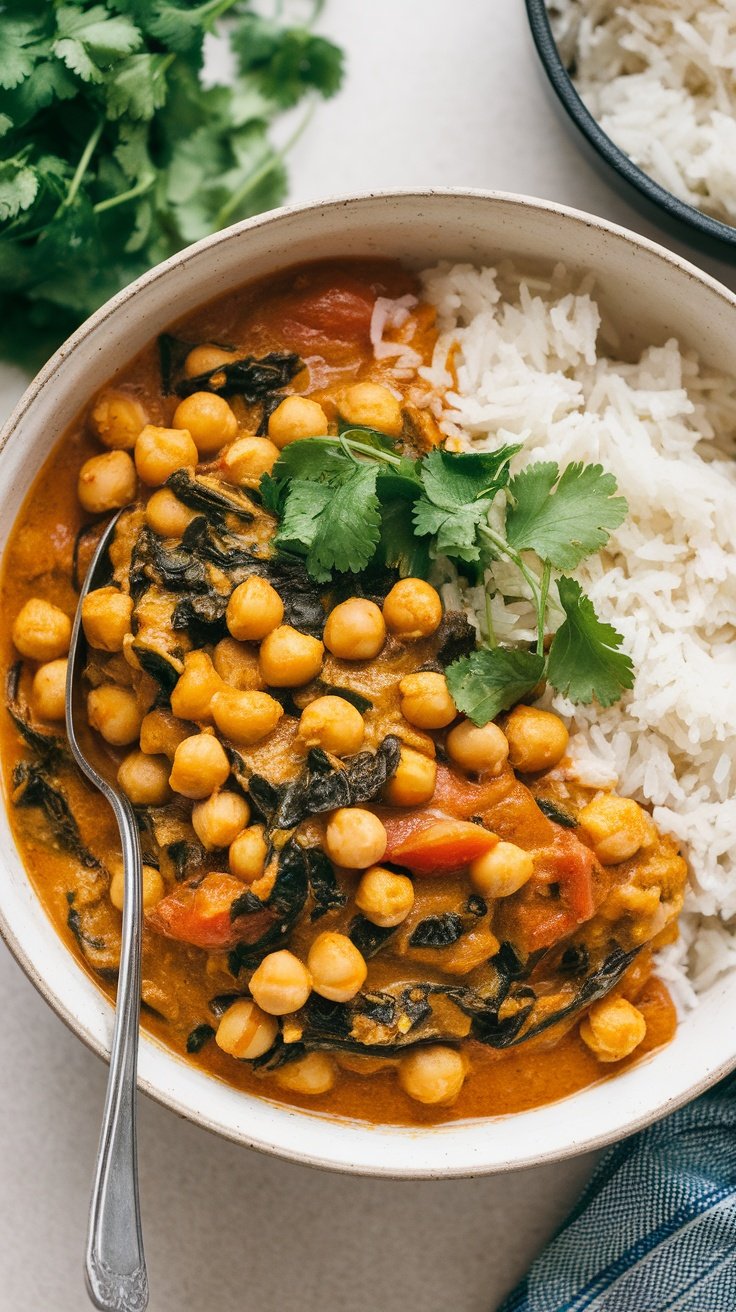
(380, 1137)
(563, 86)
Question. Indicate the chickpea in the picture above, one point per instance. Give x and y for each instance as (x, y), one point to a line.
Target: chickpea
(425, 700)
(115, 714)
(153, 887)
(412, 609)
(200, 766)
(145, 779)
(333, 724)
(237, 664)
(502, 871)
(191, 696)
(294, 418)
(373, 406)
(616, 826)
(219, 819)
(246, 717)
(355, 630)
(433, 1075)
(106, 482)
(355, 838)
(337, 968)
(478, 750)
(311, 1075)
(48, 692)
(281, 983)
(248, 854)
(612, 1028)
(161, 733)
(117, 419)
(159, 452)
(203, 359)
(248, 459)
(41, 631)
(106, 618)
(209, 420)
(167, 515)
(254, 610)
(537, 739)
(384, 897)
(414, 781)
(245, 1031)
(289, 658)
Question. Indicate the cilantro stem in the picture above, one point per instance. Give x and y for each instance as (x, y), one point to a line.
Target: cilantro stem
(256, 178)
(491, 632)
(502, 545)
(542, 606)
(81, 168)
(363, 449)
(140, 187)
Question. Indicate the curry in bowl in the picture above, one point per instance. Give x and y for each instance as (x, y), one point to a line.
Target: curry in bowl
(371, 884)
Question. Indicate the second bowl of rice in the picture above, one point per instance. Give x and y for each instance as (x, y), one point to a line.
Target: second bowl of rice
(651, 86)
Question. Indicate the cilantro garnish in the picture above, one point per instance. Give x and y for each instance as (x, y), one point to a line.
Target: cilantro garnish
(565, 525)
(114, 153)
(348, 501)
(585, 659)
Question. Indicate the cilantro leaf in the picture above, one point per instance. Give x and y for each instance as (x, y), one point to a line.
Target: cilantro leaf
(18, 187)
(21, 48)
(492, 679)
(458, 493)
(300, 512)
(566, 524)
(452, 481)
(585, 659)
(349, 528)
(454, 531)
(88, 40)
(148, 156)
(285, 63)
(400, 547)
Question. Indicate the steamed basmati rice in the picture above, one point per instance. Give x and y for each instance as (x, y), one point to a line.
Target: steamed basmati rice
(660, 77)
(528, 368)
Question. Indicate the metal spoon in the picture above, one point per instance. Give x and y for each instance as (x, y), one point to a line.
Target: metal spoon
(115, 1263)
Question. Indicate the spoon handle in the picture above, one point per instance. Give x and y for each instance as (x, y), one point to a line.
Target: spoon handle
(115, 1264)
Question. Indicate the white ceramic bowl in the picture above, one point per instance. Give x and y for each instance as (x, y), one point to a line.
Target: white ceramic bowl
(652, 295)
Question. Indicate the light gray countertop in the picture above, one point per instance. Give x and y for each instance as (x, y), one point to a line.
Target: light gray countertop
(439, 92)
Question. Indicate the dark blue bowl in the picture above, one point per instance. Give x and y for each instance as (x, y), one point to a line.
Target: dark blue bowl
(709, 234)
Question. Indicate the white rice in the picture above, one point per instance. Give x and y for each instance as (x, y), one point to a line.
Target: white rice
(529, 368)
(660, 77)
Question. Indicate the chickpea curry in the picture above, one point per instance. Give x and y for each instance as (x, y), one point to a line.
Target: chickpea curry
(357, 897)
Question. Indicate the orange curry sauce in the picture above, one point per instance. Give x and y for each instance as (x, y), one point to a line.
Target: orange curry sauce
(323, 313)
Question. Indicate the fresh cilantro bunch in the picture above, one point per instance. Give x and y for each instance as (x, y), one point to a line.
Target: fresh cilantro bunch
(113, 152)
(348, 502)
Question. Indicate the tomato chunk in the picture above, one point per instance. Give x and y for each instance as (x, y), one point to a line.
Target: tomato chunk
(200, 914)
(441, 846)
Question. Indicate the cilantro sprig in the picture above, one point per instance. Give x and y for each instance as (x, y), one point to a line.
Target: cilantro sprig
(114, 152)
(349, 502)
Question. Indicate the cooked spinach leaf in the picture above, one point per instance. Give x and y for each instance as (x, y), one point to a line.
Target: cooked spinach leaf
(33, 786)
(554, 812)
(325, 787)
(367, 937)
(283, 906)
(356, 699)
(249, 377)
(209, 495)
(323, 885)
(438, 931)
(199, 1036)
(47, 745)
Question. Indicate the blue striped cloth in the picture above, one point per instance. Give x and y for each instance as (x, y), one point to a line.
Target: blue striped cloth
(655, 1230)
